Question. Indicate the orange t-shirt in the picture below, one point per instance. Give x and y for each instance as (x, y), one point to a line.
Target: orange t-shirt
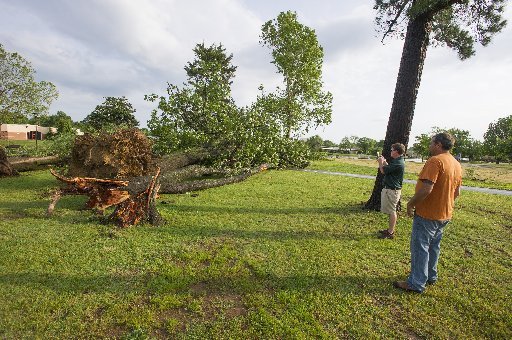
(446, 174)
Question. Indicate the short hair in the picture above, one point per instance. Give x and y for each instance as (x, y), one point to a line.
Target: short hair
(447, 141)
(398, 147)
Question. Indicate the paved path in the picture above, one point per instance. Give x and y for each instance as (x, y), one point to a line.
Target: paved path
(484, 190)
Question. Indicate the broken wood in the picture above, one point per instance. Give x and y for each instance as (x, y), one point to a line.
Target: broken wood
(134, 200)
(140, 205)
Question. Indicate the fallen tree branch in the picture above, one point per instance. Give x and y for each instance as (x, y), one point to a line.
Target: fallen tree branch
(34, 163)
(169, 186)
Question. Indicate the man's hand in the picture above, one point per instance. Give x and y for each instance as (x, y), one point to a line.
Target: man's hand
(410, 209)
(382, 161)
(422, 192)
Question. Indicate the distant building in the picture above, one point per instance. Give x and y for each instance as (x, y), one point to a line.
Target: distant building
(330, 149)
(24, 131)
(350, 150)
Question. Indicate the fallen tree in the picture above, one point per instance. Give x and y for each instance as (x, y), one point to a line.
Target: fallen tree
(114, 170)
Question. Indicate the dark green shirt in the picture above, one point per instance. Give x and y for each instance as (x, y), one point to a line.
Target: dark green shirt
(394, 173)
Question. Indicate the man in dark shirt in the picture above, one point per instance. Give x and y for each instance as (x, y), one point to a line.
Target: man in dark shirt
(393, 178)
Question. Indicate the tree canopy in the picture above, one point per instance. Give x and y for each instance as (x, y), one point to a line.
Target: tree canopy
(315, 143)
(498, 139)
(202, 110)
(20, 94)
(202, 114)
(60, 120)
(114, 113)
(465, 146)
(298, 57)
(456, 24)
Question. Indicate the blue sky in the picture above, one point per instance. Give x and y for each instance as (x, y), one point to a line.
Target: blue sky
(98, 48)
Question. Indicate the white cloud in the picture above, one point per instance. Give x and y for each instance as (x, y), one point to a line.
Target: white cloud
(97, 48)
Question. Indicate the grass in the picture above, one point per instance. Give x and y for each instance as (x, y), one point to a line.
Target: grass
(485, 175)
(26, 147)
(285, 254)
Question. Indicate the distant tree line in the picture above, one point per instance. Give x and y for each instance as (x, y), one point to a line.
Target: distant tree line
(496, 146)
(347, 145)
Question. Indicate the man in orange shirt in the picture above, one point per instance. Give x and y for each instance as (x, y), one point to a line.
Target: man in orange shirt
(432, 205)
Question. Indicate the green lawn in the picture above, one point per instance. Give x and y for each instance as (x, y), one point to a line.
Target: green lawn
(487, 175)
(285, 254)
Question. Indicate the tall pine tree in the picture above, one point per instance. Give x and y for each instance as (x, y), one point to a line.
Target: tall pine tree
(458, 24)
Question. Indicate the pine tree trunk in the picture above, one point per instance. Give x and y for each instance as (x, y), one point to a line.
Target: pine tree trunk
(406, 91)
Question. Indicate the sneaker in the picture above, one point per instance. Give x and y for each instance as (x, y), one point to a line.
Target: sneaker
(386, 234)
(431, 282)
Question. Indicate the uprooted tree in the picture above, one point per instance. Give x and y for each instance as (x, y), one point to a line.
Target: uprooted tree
(128, 178)
(119, 170)
(202, 137)
(134, 200)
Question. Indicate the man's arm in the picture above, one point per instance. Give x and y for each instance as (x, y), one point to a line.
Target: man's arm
(420, 195)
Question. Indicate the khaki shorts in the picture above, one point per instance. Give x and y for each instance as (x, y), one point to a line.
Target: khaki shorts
(388, 200)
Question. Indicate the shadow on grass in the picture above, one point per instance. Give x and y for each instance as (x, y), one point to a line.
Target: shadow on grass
(28, 181)
(276, 235)
(344, 209)
(345, 227)
(162, 283)
(26, 209)
(18, 210)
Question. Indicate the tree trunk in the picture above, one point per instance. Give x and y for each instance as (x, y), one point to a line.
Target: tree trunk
(31, 164)
(406, 91)
(6, 168)
(176, 185)
(141, 203)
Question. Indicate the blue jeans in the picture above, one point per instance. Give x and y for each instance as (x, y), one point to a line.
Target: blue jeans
(425, 247)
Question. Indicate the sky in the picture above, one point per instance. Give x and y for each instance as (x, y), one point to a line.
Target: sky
(92, 49)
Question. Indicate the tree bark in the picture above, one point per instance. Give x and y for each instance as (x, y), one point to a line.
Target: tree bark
(176, 185)
(6, 168)
(406, 91)
(31, 164)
